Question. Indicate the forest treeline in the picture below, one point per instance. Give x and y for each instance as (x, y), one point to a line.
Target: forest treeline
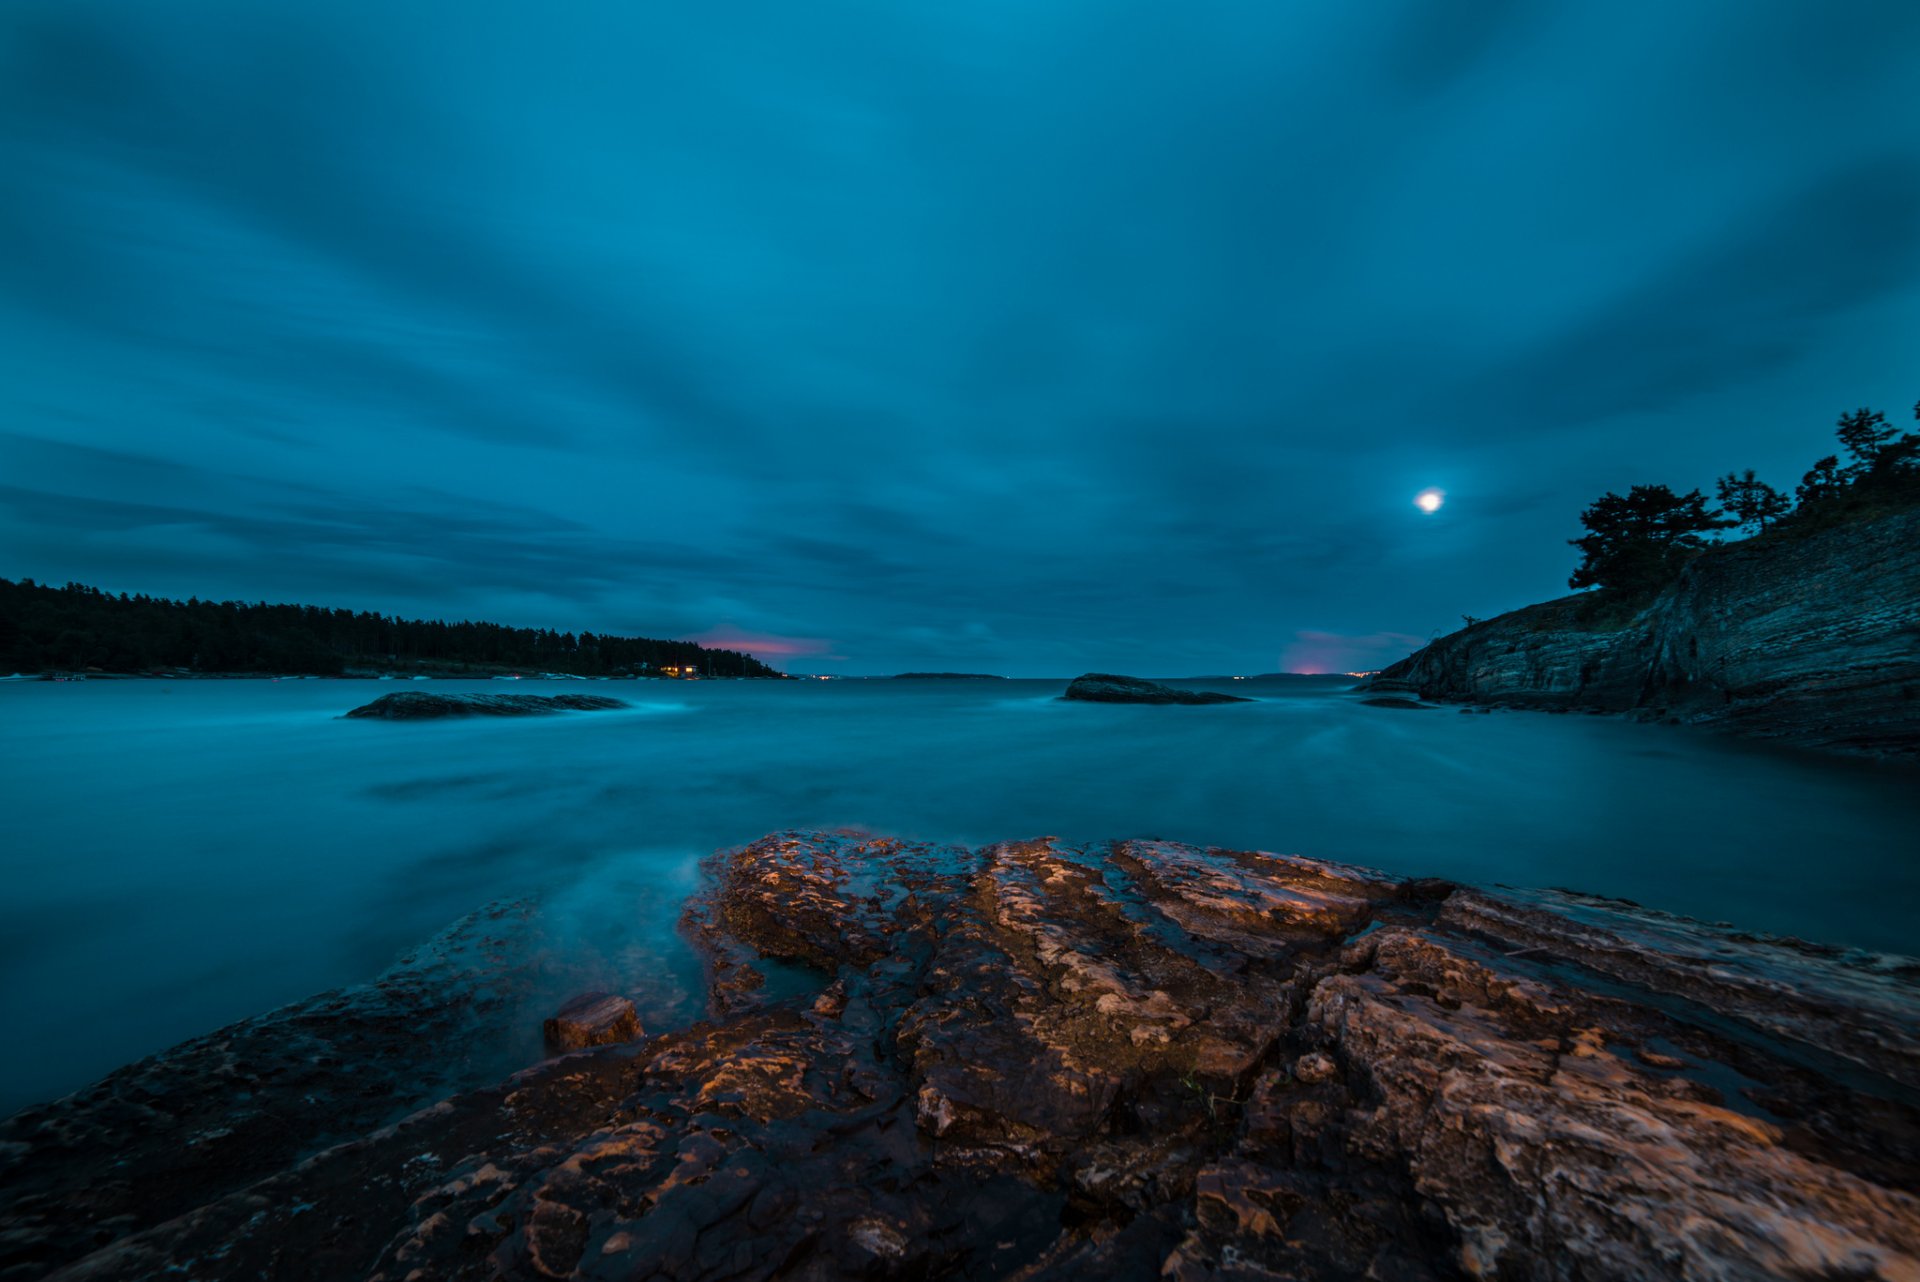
(75, 627)
(1636, 543)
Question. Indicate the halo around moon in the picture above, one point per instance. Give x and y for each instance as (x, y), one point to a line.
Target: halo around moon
(1430, 499)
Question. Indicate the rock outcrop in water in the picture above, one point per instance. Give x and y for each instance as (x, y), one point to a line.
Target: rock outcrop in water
(1814, 640)
(1103, 687)
(419, 705)
(1142, 1060)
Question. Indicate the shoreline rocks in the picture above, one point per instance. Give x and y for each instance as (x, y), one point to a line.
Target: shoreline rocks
(420, 705)
(1812, 640)
(1104, 687)
(1139, 1059)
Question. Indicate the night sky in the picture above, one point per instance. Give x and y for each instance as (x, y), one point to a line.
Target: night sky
(1025, 337)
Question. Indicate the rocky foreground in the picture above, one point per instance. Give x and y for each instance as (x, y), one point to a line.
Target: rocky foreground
(1813, 640)
(1142, 1060)
(419, 705)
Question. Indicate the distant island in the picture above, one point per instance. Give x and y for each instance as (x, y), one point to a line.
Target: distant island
(1807, 632)
(78, 629)
(948, 676)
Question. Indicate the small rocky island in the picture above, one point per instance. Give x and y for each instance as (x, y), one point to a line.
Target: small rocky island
(1039, 1061)
(420, 705)
(1104, 687)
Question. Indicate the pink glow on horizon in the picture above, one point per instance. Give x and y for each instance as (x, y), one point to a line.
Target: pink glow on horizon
(1319, 653)
(760, 645)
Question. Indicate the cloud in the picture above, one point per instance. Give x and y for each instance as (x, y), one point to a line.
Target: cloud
(1122, 333)
(1752, 298)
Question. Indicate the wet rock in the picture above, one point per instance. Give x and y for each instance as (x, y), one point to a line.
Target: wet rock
(1406, 704)
(1041, 1060)
(592, 1019)
(418, 705)
(1102, 687)
(1551, 1155)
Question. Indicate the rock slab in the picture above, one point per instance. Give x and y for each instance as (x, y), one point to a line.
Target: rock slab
(419, 705)
(1104, 687)
(592, 1019)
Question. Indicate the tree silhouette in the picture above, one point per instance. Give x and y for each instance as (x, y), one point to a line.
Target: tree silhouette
(1751, 501)
(1824, 481)
(1636, 544)
(1864, 434)
(78, 627)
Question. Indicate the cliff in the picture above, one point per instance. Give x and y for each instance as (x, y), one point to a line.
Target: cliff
(1813, 639)
(1036, 1060)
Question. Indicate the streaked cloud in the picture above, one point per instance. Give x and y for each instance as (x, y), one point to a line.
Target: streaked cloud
(995, 337)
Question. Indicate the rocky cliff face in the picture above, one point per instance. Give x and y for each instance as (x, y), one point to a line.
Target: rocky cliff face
(1813, 640)
(1142, 1060)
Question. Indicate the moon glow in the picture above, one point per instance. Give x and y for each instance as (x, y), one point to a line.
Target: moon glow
(1430, 499)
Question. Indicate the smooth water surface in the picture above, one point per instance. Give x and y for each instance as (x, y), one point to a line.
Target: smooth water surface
(181, 854)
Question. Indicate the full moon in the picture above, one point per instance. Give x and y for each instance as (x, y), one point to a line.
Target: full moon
(1430, 499)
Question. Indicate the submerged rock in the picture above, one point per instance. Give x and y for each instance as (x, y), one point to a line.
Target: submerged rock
(419, 705)
(1102, 687)
(1136, 1060)
(592, 1019)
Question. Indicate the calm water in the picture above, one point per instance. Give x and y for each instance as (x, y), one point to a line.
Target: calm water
(182, 854)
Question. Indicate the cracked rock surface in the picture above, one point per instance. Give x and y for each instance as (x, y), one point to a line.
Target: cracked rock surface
(1136, 1060)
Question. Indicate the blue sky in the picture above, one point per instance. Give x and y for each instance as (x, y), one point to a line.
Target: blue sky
(1028, 338)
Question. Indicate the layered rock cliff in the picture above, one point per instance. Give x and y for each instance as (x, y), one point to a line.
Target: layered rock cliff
(1035, 1060)
(1814, 640)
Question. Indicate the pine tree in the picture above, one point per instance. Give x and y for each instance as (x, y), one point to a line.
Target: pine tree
(1823, 482)
(1635, 545)
(1751, 501)
(1864, 434)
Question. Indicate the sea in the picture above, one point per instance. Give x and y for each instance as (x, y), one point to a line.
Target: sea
(180, 854)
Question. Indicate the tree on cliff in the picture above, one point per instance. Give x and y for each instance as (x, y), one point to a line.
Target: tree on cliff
(1636, 544)
(1751, 501)
(1883, 466)
(1877, 447)
(1823, 481)
(1864, 434)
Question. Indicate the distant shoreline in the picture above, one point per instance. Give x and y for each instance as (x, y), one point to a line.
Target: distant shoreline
(91, 675)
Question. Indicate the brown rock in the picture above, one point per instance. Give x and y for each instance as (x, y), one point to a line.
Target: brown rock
(1047, 1061)
(1314, 1068)
(592, 1019)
